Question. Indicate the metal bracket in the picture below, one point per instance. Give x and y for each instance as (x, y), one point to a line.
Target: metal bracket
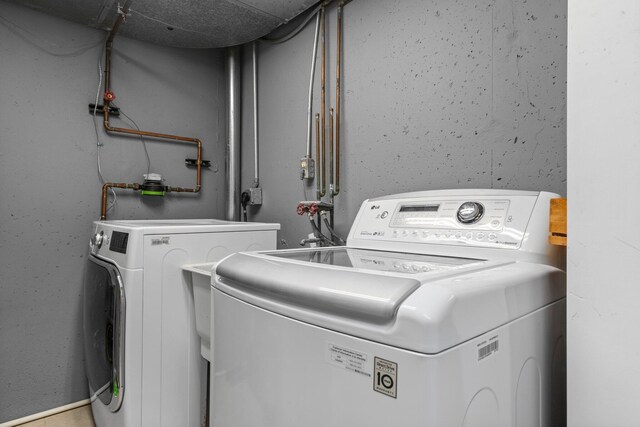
(194, 162)
(113, 111)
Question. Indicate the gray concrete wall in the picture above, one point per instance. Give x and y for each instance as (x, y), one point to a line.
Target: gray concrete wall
(437, 94)
(50, 191)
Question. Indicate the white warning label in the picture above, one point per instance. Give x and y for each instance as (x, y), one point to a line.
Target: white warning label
(349, 359)
(385, 377)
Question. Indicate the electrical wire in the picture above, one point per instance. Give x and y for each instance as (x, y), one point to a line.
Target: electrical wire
(144, 143)
(296, 30)
(98, 143)
(304, 190)
(244, 201)
(43, 44)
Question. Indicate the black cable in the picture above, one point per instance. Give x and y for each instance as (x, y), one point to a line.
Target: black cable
(244, 200)
(318, 234)
(333, 234)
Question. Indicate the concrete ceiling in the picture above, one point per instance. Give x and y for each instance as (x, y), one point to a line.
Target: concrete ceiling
(181, 23)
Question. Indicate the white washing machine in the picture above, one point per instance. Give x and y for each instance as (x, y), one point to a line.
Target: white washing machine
(142, 352)
(446, 308)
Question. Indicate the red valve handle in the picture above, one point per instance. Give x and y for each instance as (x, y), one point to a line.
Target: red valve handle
(109, 96)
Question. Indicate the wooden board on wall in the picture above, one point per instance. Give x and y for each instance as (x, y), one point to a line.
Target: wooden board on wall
(558, 222)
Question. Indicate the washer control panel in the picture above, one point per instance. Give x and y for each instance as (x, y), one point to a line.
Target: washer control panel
(490, 221)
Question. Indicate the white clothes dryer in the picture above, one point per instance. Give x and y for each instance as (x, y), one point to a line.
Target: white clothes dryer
(142, 352)
(446, 308)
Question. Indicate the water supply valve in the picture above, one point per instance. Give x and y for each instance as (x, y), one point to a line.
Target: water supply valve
(312, 207)
(109, 96)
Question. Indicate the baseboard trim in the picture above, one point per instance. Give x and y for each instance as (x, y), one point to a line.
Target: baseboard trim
(44, 414)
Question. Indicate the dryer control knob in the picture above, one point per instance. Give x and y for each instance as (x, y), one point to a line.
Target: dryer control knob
(97, 239)
(470, 212)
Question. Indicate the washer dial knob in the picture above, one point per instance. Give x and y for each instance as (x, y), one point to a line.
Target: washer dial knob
(97, 239)
(470, 212)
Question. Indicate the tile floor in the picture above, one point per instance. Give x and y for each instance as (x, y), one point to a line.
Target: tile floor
(79, 417)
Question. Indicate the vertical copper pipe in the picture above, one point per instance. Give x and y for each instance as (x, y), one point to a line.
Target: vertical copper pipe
(323, 168)
(318, 154)
(105, 188)
(331, 153)
(338, 67)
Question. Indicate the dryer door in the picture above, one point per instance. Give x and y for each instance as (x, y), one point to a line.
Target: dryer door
(104, 322)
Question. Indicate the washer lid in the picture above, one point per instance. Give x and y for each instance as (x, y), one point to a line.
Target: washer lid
(427, 312)
(360, 284)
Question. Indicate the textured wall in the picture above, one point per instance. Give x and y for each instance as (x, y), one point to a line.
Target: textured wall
(50, 191)
(604, 232)
(438, 94)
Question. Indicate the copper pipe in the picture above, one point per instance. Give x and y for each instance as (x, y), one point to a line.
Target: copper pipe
(323, 108)
(105, 189)
(331, 152)
(318, 160)
(122, 13)
(107, 85)
(338, 66)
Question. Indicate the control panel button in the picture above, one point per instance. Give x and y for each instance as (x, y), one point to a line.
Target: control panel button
(470, 212)
(492, 236)
(480, 236)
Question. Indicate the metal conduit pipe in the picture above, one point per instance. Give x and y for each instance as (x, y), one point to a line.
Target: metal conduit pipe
(233, 134)
(108, 97)
(311, 78)
(338, 69)
(322, 167)
(256, 164)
